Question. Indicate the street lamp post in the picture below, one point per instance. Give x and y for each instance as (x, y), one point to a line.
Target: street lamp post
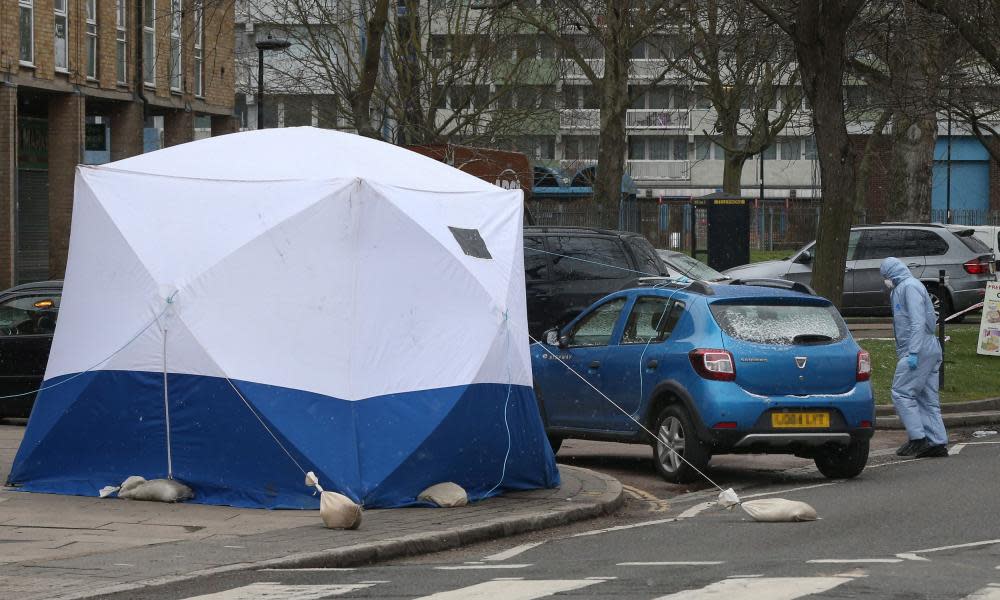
(268, 44)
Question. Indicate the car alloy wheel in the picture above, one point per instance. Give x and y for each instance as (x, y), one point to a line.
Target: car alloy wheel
(670, 444)
(675, 431)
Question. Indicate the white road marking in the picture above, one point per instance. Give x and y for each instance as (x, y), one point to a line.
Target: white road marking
(745, 576)
(694, 510)
(601, 578)
(823, 561)
(236, 547)
(513, 590)
(981, 443)
(622, 527)
(472, 567)
(956, 449)
(672, 563)
(122, 565)
(512, 552)
(278, 591)
(911, 556)
(990, 592)
(761, 588)
(957, 546)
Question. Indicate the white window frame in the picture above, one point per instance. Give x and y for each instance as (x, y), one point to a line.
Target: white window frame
(93, 57)
(26, 5)
(199, 51)
(121, 41)
(61, 14)
(176, 52)
(149, 50)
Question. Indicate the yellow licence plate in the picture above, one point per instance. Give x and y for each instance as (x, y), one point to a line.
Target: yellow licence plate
(801, 420)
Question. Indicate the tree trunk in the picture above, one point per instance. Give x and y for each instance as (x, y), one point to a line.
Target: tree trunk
(911, 168)
(732, 173)
(822, 62)
(362, 100)
(612, 145)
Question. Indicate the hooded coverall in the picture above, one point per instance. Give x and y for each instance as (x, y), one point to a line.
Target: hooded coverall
(915, 390)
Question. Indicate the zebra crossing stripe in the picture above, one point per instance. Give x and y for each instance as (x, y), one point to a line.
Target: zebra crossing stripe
(760, 588)
(513, 590)
(277, 591)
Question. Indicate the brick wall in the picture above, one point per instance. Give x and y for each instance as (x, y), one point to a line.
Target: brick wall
(66, 119)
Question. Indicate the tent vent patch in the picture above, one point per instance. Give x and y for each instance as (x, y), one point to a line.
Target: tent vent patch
(471, 242)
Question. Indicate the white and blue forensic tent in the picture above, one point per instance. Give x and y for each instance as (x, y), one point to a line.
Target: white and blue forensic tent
(244, 309)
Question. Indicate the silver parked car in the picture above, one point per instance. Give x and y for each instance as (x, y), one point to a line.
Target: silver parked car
(926, 249)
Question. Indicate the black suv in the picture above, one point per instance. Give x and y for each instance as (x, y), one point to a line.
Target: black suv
(567, 268)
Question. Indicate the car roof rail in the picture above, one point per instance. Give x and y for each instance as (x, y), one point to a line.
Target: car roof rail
(695, 285)
(908, 224)
(783, 284)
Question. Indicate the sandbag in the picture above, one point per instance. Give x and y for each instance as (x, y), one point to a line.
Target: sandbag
(445, 495)
(154, 490)
(777, 510)
(339, 511)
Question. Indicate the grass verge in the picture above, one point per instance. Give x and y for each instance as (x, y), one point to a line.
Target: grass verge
(762, 255)
(967, 375)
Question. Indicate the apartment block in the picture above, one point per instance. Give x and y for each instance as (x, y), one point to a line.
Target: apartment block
(90, 81)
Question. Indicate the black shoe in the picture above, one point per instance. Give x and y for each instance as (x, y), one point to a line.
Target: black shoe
(935, 451)
(911, 447)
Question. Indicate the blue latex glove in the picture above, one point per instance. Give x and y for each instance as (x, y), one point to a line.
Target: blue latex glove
(911, 360)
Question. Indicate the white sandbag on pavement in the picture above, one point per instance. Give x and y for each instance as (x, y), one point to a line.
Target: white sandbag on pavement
(339, 511)
(445, 495)
(154, 490)
(779, 510)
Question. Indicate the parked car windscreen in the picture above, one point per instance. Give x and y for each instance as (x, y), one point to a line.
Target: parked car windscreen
(695, 269)
(780, 324)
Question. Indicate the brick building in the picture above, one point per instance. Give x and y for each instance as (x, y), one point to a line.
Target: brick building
(88, 81)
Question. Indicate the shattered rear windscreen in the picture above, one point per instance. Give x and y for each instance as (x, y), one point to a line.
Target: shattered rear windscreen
(780, 324)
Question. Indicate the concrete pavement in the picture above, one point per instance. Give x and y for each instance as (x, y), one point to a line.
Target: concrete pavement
(978, 413)
(62, 547)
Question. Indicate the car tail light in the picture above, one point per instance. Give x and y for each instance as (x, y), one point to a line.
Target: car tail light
(977, 266)
(725, 425)
(865, 424)
(713, 364)
(864, 366)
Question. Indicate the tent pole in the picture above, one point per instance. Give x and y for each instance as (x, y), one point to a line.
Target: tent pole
(166, 408)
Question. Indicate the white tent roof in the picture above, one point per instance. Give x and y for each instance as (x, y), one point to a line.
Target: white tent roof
(302, 258)
(301, 153)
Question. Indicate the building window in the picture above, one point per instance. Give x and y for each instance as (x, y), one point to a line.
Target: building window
(91, 7)
(27, 27)
(811, 153)
(176, 75)
(149, 42)
(61, 32)
(790, 148)
(199, 52)
(121, 46)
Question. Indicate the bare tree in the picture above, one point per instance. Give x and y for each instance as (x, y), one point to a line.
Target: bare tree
(819, 32)
(426, 72)
(597, 38)
(738, 60)
(903, 54)
(977, 21)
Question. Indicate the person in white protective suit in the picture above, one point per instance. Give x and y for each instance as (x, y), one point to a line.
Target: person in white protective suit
(915, 383)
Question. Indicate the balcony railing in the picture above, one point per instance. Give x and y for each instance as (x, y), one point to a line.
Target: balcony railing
(657, 119)
(659, 170)
(571, 165)
(580, 118)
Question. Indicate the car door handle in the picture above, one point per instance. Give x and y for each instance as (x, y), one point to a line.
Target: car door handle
(913, 265)
(595, 364)
(652, 364)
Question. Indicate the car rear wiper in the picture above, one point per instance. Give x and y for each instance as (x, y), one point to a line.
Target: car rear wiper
(806, 338)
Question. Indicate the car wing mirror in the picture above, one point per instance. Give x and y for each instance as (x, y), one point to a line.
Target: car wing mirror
(805, 257)
(552, 338)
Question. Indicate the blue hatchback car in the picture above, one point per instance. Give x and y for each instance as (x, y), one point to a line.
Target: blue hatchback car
(710, 369)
